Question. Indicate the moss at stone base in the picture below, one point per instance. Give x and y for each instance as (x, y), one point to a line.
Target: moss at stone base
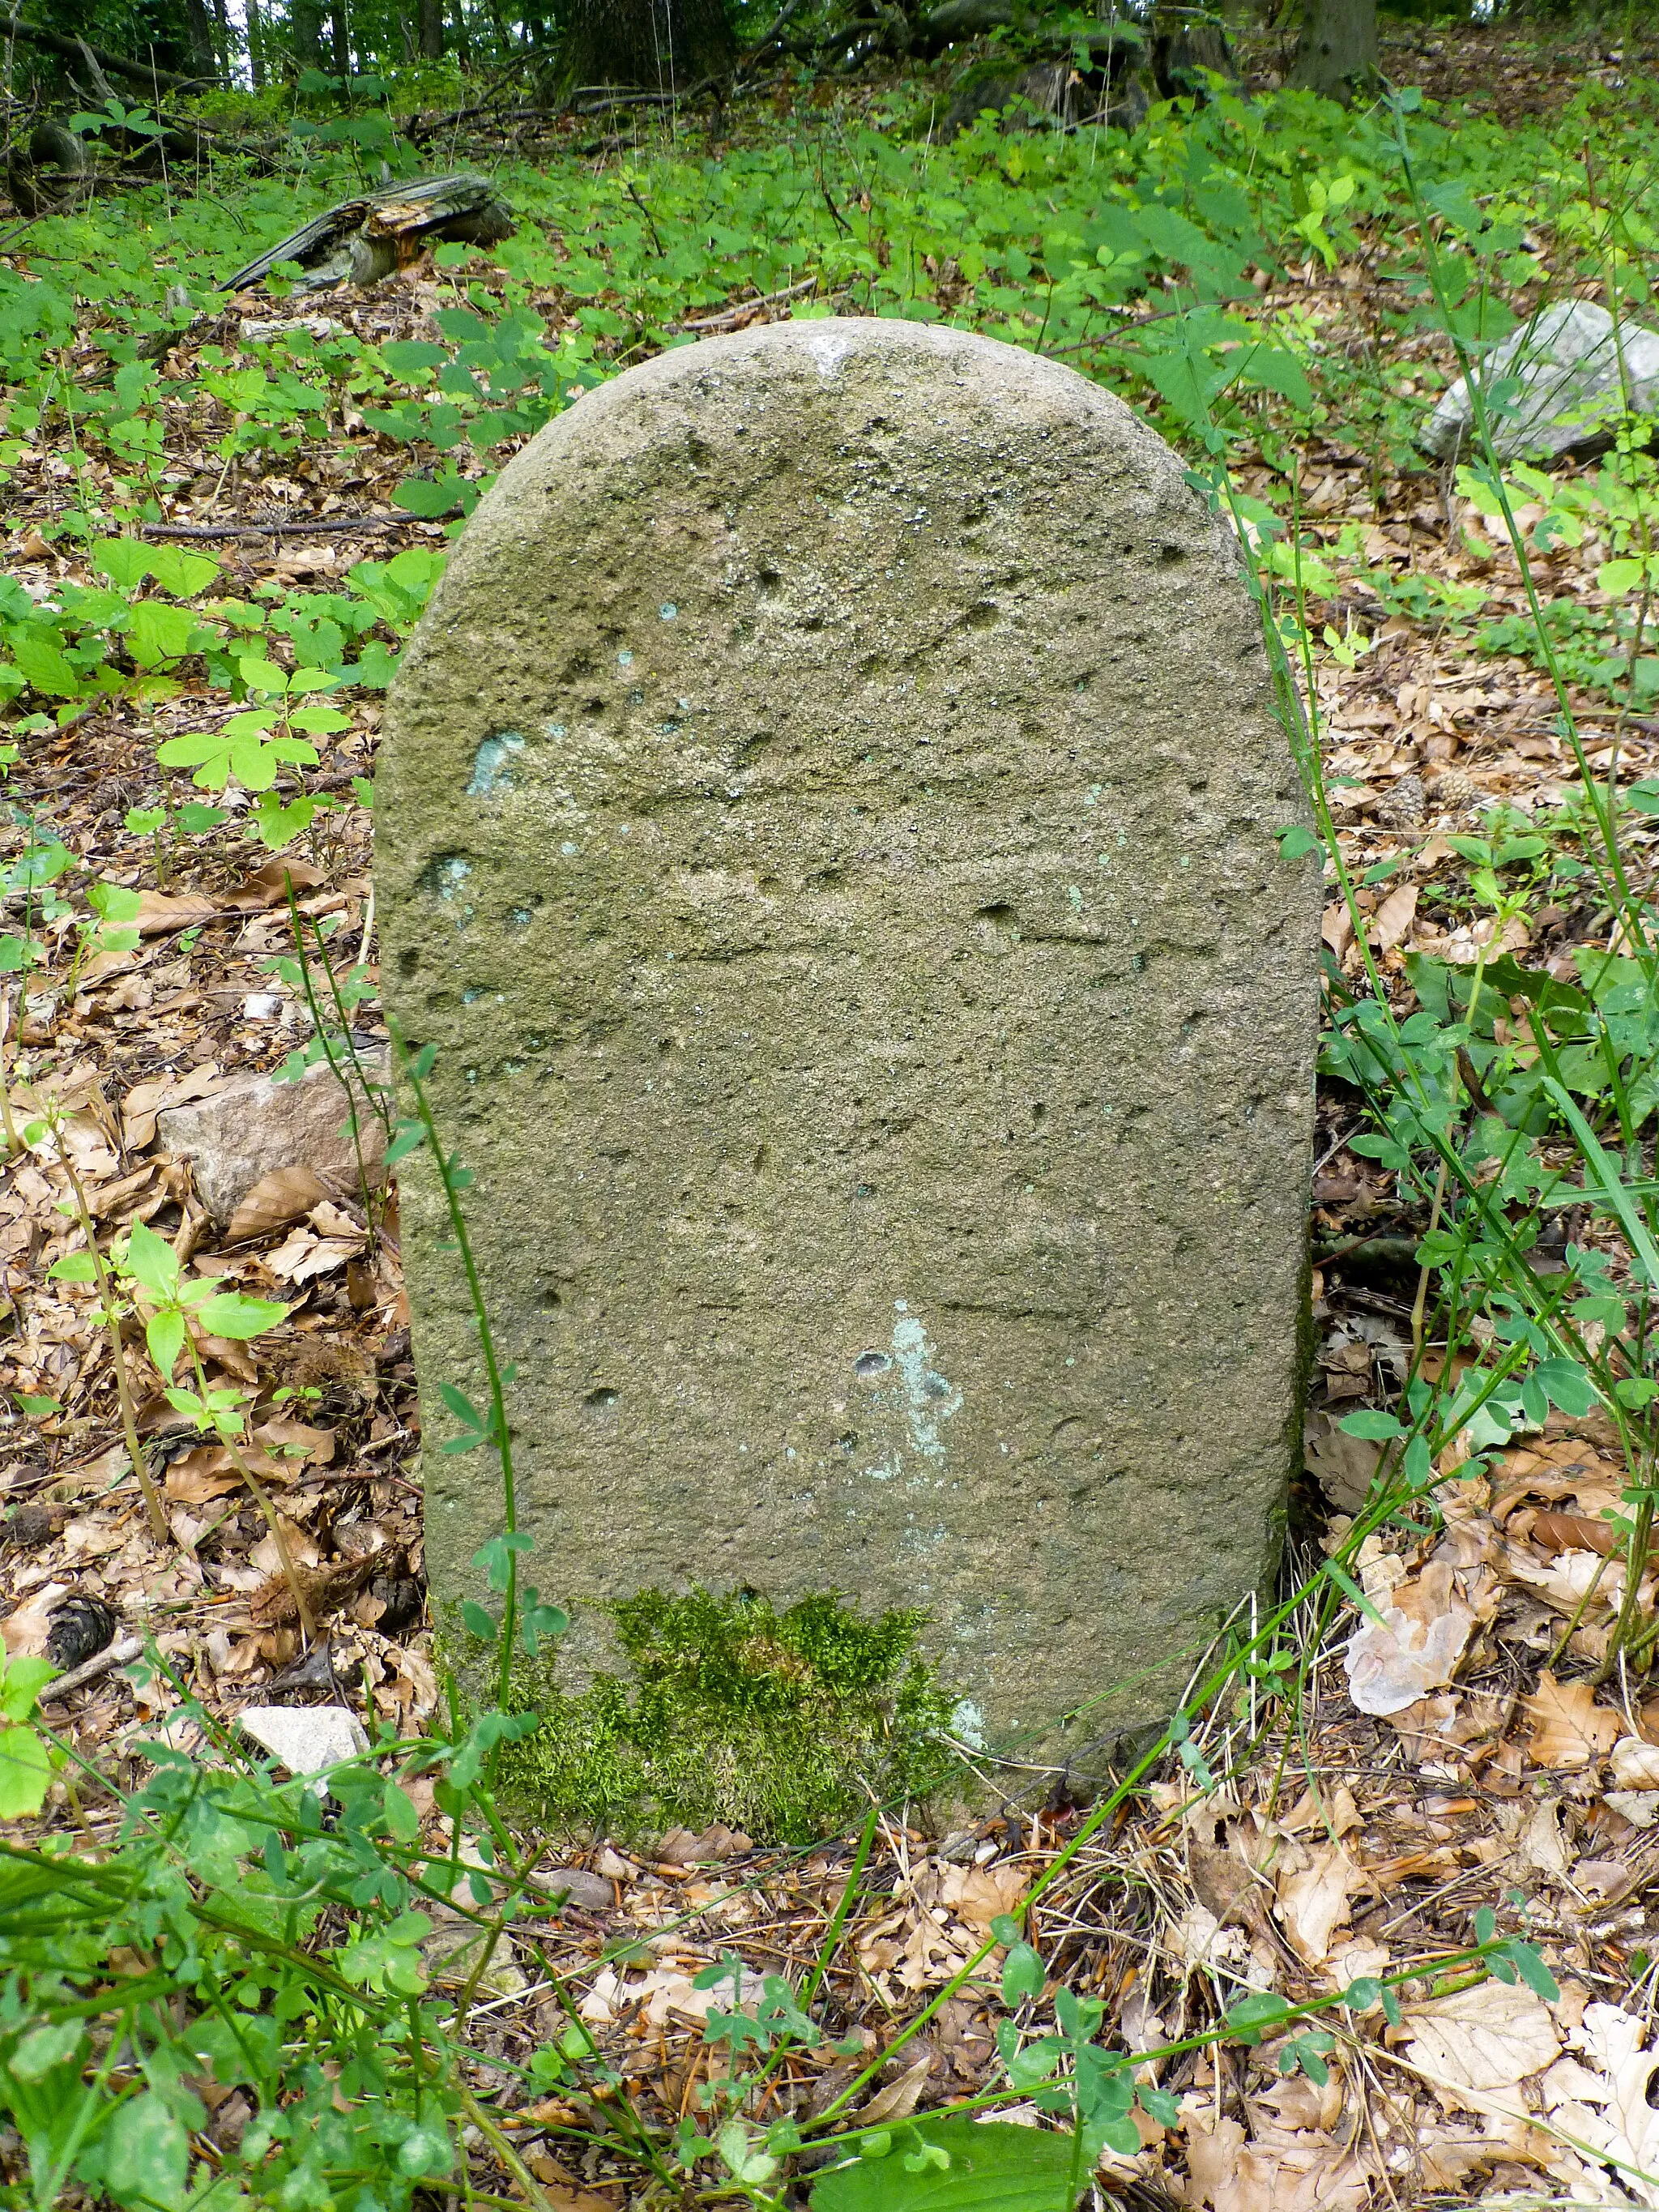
(786, 1725)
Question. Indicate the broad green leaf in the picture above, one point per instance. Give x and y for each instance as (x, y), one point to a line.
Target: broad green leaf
(21, 1681)
(994, 2167)
(427, 498)
(234, 1316)
(191, 749)
(408, 359)
(1376, 1427)
(25, 1771)
(1022, 1974)
(46, 669)
(183, 574)
(1533, 1972)
(159, 633)
(46, 2047)
(152, 1260)
(148, 2157)
(462, 1407)
(263, 676)
(401, 1818)
(74, 1267)
(1619, 576)
(125, 561)
(164, 1332)
(1568, 1385)
(114, 901)
(278, 825)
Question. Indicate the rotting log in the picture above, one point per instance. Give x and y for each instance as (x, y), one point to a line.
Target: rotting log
(143, 74)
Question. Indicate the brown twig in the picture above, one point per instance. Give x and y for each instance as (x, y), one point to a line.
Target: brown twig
(727, 317)
(113, 1655)
(271, 529)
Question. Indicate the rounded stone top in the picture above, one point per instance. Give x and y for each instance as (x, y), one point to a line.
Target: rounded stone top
(922, 384)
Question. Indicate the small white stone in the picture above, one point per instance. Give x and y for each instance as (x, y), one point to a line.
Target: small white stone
(307, 1739)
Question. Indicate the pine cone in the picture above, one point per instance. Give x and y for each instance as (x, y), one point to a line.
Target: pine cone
(81, 1628)
(1454, 787)
(1405, 805)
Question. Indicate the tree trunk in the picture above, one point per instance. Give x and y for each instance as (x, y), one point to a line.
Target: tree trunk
(201, 55)
(337, 16)
(1337, 49)
(256, 51)
(432, 30)
(664, 44)
(1188, 46)
(308, 20)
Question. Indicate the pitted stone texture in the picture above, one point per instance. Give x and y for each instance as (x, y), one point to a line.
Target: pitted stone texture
(827, 823)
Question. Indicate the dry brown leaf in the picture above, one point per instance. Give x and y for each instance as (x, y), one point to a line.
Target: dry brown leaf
(145, 1100)
(283, 1195)
(1425, 1627)
(24, 1632)
(898, 2100)
(304, 1255)
(1392, 922)
(297, 1443)
(564, 2190)
(1635, 1765)
(1344, 1467)
(1315, 1902)
(978, 1895)
(1605, 2105)
(159, 915)
(1568, 1728)
(269, 886)
(1479, 2042)
(1571, 1532)
(1283, 2170)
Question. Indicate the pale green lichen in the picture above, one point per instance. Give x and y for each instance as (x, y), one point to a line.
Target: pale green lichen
(786, 1725)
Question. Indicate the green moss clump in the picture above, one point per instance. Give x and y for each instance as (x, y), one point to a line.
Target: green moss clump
(784, 1724)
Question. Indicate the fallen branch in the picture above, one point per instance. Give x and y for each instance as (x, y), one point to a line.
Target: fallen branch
(730, 318)
(272, 529)
(113, 1655)
(78, 50)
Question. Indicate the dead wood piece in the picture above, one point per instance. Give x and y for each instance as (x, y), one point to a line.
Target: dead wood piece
(49, 172)
(114, 1655)
(328, 522)
(143, 74)
(364, 238)
(732, 318)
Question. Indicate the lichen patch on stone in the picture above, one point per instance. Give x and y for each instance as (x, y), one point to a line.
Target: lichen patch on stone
(492, 764)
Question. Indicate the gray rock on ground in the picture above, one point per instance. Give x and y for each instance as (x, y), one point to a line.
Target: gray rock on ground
(1567, 362)
(827, 823)
(237, 1136)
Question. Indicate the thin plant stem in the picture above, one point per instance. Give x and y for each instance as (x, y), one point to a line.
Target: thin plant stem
(262, 1498)
(107, 1300)
(501, 1433)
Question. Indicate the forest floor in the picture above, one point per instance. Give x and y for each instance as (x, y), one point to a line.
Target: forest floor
(1337, 1846)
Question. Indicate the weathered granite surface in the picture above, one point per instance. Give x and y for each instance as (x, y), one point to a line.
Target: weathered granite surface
(827, 823)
